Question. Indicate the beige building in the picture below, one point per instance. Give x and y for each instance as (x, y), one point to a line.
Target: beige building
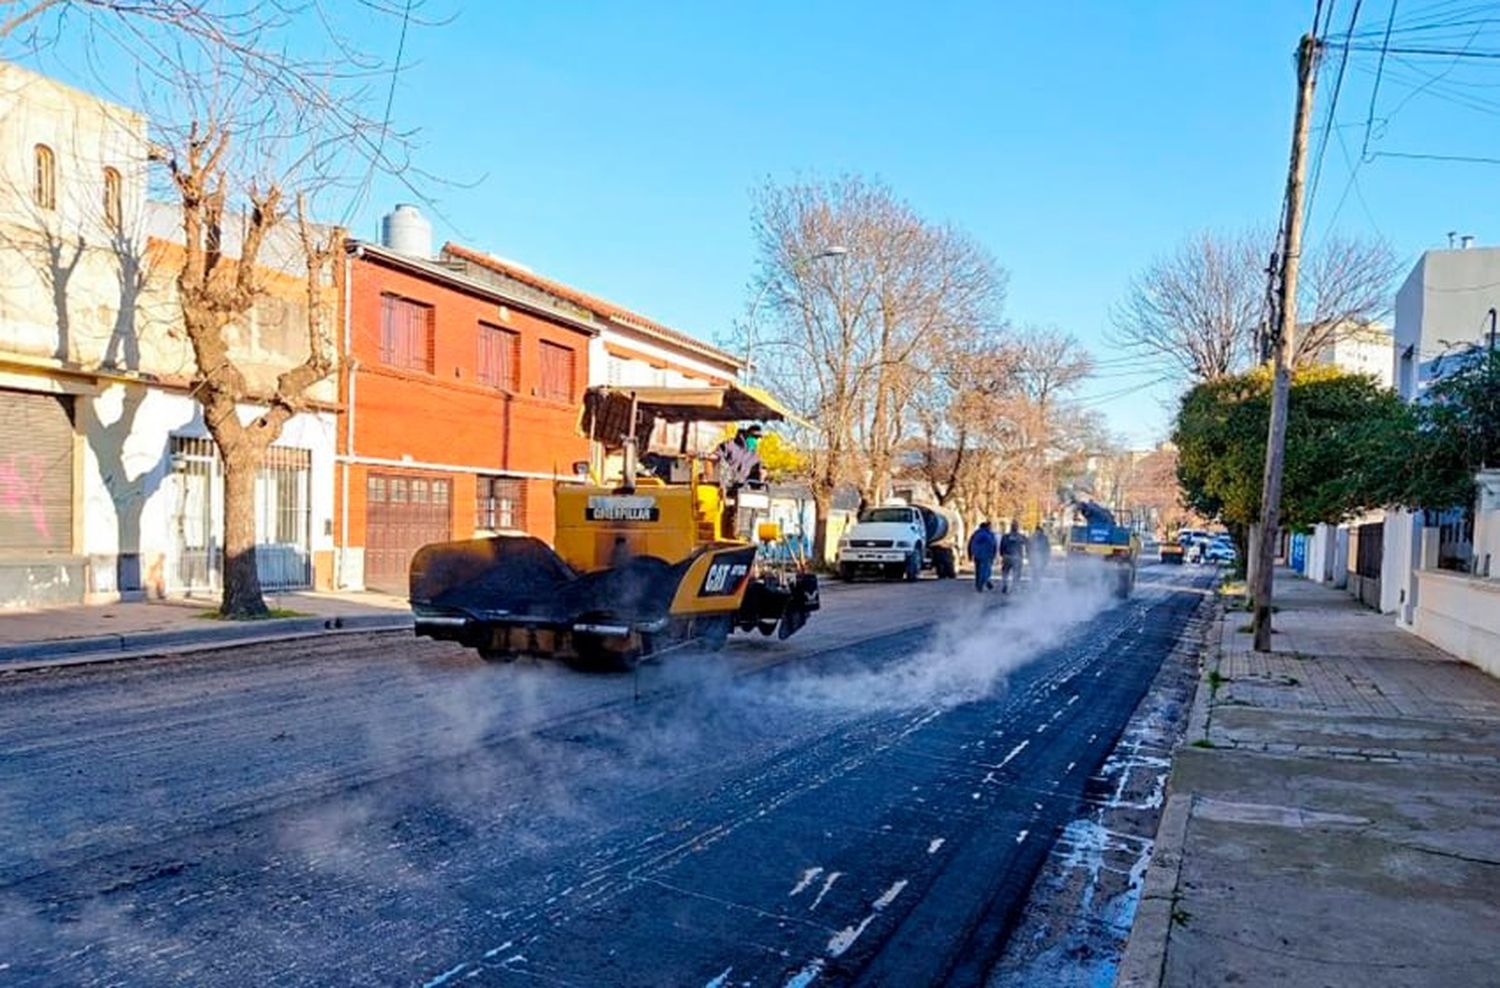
(108, 482)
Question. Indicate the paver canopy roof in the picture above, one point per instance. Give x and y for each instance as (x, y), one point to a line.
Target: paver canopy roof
(606, 410)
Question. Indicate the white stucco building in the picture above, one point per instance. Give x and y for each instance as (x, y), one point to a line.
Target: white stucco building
(1443, 310)
(108, 482)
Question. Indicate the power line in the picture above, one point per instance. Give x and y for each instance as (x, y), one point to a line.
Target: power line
(1455, 53)
(1333, 103)
(1375, 89)
(357, 200)
(1469, 159)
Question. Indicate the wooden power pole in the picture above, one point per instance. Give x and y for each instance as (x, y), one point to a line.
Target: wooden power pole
(1282, 343)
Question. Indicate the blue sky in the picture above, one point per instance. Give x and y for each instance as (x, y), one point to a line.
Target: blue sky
(615, 145)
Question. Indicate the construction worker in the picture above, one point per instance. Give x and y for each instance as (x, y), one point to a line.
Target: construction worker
(1012, 557)
(739, 463)
(982, 549)
(1040, 553)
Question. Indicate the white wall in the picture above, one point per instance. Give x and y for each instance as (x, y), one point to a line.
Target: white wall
(67, 289)
(1369, 350)
(129, 496)
(1461, 614)
(1322, 554)
(1399, 563)
(1445, 299)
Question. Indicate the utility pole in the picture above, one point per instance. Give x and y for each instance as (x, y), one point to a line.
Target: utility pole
(1263, 353)
(1285, 338)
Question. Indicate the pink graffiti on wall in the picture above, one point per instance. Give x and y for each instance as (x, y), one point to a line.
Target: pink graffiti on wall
(21, 489)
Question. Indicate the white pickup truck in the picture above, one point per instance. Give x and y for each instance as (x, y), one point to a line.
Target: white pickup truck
(898, 540)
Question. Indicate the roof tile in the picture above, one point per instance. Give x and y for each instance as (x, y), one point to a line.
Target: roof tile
(601, 307)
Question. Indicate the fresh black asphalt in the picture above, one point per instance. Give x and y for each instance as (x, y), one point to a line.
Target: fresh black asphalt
(833, 817)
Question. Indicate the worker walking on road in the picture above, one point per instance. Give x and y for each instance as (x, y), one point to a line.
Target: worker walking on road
(982, 549)
(1012, 556)
(1040, 553)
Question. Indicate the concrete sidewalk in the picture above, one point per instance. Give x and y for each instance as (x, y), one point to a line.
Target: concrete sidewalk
(75, 635)
(1334, 818)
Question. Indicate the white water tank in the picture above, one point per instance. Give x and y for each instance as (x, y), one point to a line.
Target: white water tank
(406, 231)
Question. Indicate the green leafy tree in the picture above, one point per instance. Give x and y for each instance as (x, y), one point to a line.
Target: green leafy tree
(1455, 430)
(1343, 430)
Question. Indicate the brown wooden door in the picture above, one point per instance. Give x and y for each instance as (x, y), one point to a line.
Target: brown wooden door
(402, 514)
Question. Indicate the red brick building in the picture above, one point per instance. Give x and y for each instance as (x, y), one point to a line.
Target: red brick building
(460, 410)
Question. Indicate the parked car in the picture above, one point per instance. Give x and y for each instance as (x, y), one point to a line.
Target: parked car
(1220, 552)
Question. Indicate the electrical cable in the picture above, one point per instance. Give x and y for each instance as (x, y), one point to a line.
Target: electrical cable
(1375, 89)
(357, 200)
(1333, 103)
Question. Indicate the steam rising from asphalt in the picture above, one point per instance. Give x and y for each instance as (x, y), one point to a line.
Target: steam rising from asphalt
(498, 756)
(977, 645)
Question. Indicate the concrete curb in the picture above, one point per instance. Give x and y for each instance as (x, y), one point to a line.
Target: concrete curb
(1145, 960)
(115, 648)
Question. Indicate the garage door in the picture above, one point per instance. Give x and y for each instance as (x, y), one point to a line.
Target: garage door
(402, 514)
(36, 472)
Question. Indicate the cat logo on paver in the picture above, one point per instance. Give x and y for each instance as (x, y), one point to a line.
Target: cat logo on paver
(724, 578)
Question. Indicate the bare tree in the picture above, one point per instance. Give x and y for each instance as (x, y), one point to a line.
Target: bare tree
(997, 425)
(251, 106)
(1347, 285)
(851, 336)
(1199, 308)
(1196, 308)
(958, 411)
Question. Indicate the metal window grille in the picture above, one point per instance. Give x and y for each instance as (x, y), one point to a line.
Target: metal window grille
(196, 540)
(1370, 547)
(1455, 539)
(501, 504)
(283, 517)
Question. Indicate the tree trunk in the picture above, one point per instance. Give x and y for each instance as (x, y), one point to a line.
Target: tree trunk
(1252, 560)
(242, 593)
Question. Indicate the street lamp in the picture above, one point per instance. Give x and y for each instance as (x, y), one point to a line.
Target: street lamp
(760, 296)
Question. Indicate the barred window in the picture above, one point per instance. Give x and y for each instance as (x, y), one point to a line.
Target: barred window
(501, 504)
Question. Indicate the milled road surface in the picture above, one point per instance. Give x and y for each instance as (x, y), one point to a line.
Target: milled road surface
(865, 803)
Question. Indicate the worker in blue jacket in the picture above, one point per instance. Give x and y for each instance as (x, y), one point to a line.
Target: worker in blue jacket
(983, 547)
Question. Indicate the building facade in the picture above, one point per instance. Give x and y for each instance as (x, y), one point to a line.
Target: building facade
(1368, 350)
(109, 485)
(630, 349)
(460, 408)
(1442, 307)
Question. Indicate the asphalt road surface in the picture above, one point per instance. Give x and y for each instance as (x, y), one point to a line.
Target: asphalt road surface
(867, 803)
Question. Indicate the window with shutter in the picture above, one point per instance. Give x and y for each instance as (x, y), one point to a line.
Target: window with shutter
(405, 334)
(556, 372)
(499, 357)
